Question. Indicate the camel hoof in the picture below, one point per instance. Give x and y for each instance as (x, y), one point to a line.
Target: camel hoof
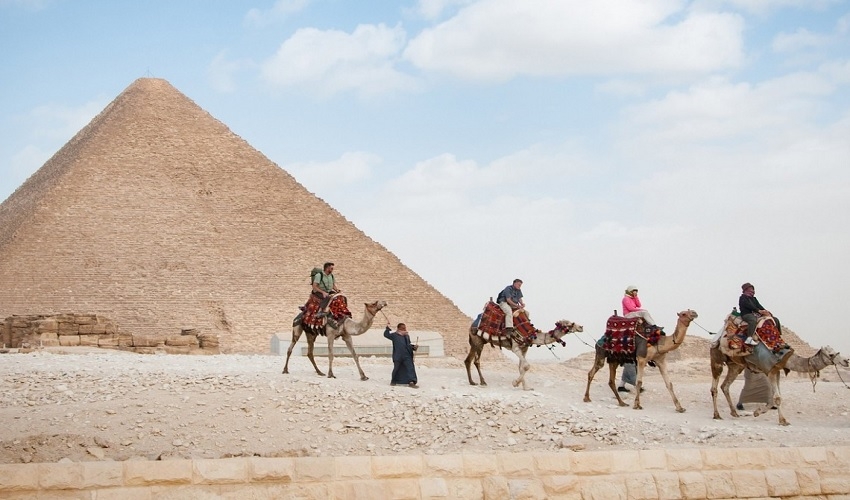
(623, 403)
(483, 384)
(586, 399)
(784, 422)
(515, 383)
(364, 378)
(717, 417)
(285, 372)
(638, 407)
(735, 414)
(680, 410)
(472, 383)
(331, 375)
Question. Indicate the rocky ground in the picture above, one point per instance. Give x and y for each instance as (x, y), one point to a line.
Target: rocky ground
(111, 405)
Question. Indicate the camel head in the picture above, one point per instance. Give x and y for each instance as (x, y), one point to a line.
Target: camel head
(376, 306)
(834, 357)
(566, 327)
(687, 316)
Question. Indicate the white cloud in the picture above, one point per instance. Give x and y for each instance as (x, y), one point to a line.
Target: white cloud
(433, 9)
(500, 39)
(802, 39)
(221, 72)
(350, 168)
(329, 62)
(281, 10)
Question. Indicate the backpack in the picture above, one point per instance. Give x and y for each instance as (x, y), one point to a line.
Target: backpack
(314, 272)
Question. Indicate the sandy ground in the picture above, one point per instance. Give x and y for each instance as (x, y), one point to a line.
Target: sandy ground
(108, 405)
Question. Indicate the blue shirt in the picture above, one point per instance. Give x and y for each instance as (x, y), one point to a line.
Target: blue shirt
(515, 294)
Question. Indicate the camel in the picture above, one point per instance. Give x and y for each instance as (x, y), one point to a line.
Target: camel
(346, 330)
(825, 356)
(656, 353)
(477, 343)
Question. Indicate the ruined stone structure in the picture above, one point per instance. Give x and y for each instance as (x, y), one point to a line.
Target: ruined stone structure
(160, 218)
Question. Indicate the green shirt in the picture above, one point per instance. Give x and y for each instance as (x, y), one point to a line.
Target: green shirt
(325, 281)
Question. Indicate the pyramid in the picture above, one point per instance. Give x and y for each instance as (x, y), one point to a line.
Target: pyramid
(158, 217)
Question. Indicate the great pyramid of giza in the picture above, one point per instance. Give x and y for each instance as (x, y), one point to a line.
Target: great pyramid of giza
(160, 218)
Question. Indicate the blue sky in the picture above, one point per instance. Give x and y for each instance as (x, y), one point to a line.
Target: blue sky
(684, 147)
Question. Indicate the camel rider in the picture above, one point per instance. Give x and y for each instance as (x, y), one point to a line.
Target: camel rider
(324, 286)
(632, 306)
(752, 310)
(510, 300)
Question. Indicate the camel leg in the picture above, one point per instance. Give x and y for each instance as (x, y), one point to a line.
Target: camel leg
(474, 356)
(773, 377)
(349, 342)
(524, 366)
(662, 367)
(478, 366)
(331, 338)
(612, 382)
(311, 341)
(598, 362)
(296, 334)
(731, 375)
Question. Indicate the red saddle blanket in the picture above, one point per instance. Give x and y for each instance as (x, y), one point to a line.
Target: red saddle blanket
(766, 331)
(619, 335)
(337, 308)
(493, 322)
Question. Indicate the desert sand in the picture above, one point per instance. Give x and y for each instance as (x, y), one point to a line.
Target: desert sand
(87, 404)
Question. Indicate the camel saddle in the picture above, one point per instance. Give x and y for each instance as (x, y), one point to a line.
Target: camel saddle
(735, 329)
(626, 338)
(311, 319)
(491, 325)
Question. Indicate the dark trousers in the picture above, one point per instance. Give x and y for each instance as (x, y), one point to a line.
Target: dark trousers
(752, 319)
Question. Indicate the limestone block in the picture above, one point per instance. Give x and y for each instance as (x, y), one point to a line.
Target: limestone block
(69, 340)
(592, 462)
(46, 325)
(667, 485)
(835, 483)
(839, 456)
(88, 340)
(653, 459)
(784, 457)
(125, 493)
(49, 339)
(531, 489)
(85, 319)
(64, 476)
(443, 465)
(271, 469)
(68, 328)
(180, 492)
(344, 490)
(480, 465)
(353, 467)
(433, 487)
(107, 341)
(152, 340)
(99, 328)
(465, 488)
(749, 483)
(809, 481)
(562, 485)
(604, 488)
(641, 485)
(719, 484)
(553, 463)
(225, 470)
(754, 458)
(402, 488)
(143, 472)
(125, 340)
(314, 469)
(692, 485)
(85, 329)
(684, 459)
(782, 482)
(624, 461)
(719, 458)
(814, 456)
(400, 466)
(496, 487)
(516, 464)
(177, 350)
(260, 491)
(102, 474)
(17, 477)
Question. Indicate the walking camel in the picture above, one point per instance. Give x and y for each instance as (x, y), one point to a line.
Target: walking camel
(656, 353)
(345, 330)
(735, 361)
(477, 343)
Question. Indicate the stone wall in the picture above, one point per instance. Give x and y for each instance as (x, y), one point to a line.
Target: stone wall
(799, 473)
(93, 330)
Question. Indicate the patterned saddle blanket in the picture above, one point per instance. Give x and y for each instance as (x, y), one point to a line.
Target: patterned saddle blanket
(619, 338)
(337, 309)
(766, 331)
(492, 323)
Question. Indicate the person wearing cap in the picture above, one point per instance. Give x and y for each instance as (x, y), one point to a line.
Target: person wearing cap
(510, 300)
(632, 309)
(751, 310)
